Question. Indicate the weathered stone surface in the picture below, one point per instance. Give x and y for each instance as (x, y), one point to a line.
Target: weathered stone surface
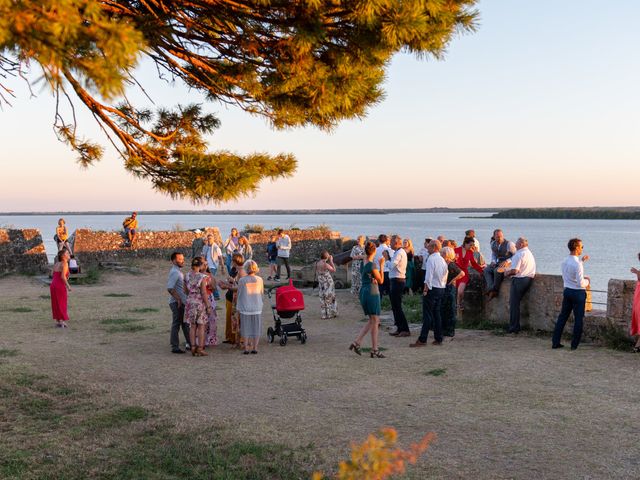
(306, 244)
(92, 247)
(22, 251)
(541, 305)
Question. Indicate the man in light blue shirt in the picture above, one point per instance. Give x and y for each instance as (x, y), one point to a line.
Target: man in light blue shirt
(574, 295)
(175, 287)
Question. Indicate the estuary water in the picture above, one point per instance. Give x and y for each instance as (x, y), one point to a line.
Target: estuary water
(612, 244)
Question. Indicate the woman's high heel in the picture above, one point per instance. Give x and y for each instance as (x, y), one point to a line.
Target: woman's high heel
(356, 348)
(376, 354)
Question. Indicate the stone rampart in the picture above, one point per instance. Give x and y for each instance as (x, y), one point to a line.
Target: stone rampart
(541, 305)
(620, 301)
(306, 244)
(22, 251)
(92, 247)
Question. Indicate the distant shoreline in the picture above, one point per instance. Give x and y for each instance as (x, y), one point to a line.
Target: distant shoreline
(567, 213)
(345, 211)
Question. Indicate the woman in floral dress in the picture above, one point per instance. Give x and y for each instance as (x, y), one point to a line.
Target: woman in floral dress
(357, 256)
(211, 334)
(198, 308)
(328, 304)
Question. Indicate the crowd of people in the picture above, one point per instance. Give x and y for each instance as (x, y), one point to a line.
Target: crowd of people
(438, 271)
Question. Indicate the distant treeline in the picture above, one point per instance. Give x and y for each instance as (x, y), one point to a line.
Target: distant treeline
(328, 211)
(623, 213)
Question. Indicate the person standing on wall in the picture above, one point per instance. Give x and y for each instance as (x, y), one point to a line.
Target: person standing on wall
(177, 302)
(397, 279)
(522, 271)
(284, 250)
(574, 295)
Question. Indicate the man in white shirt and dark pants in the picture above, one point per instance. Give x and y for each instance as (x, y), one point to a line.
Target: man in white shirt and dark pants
(574, 296)
(435, 282)
(284, 250)
(522, 273)
(398, 280)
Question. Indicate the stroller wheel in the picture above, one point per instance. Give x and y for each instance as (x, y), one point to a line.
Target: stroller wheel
(283, 339)
(303, 338)
(270, 334)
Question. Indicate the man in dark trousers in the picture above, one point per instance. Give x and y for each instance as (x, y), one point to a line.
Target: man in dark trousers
(175, 287)
(574, 295)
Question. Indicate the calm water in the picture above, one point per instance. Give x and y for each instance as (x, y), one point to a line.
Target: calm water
(612, 244)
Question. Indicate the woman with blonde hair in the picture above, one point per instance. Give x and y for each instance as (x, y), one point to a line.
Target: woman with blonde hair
(249, 306)
(244, 248)
(410, 274)
(448, 306)
(230, 247)
(357, 257)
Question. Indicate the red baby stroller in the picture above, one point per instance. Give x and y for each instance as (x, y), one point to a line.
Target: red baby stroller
(289, 304)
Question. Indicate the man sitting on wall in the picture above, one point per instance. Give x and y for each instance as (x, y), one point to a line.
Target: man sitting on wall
(130, 225)
(501, 251)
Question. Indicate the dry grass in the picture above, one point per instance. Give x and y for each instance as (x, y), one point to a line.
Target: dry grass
(507, 407)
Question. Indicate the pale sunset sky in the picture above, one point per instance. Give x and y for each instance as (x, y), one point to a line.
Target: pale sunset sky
(539, 107)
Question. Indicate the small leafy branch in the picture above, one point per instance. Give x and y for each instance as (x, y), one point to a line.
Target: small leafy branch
(378, 458)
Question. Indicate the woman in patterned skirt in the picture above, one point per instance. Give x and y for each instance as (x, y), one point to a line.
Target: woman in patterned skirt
(370, 300)
(198, 307)
(327, 291)
(357, 257)
(635, 312)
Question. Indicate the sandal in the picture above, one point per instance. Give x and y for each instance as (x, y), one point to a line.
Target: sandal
(377, 354)
(356, 348)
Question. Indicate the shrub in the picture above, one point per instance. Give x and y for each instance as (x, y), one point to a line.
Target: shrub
(255, 228)
(378, 458)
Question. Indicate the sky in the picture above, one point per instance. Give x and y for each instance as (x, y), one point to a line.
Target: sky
(540, 107)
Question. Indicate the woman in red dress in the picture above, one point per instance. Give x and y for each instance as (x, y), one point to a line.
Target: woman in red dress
(59, 288)
(464, 257)
(635, 311)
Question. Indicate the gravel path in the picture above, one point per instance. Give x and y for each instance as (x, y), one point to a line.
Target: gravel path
(504, 407)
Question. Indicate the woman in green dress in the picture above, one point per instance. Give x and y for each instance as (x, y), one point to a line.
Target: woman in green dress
(370, 300)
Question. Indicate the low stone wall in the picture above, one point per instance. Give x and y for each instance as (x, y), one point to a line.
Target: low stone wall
(92, 247)
(620, 302)
(306, 244)
(541, 305)
(22, 251)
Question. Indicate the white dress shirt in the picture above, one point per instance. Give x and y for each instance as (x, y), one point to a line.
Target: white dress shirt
(573, 273)
(436, 272)
(424, 253)
(383, 248)
(524, 263)
(398, 268)
(284, 246)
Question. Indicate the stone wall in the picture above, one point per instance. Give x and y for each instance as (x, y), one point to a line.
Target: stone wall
(306, 244)
(540, 306)
(22, 251)
(620, 301)
(92, 247)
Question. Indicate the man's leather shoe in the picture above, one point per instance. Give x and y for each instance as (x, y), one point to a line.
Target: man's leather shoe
(557, 346)
(394, 334)
(418, 343)
(403, 334)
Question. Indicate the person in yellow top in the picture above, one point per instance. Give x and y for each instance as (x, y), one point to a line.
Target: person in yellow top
(62, 236)
(130, 225)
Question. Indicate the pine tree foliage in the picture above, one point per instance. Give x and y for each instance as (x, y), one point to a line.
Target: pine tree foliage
(296, 62)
